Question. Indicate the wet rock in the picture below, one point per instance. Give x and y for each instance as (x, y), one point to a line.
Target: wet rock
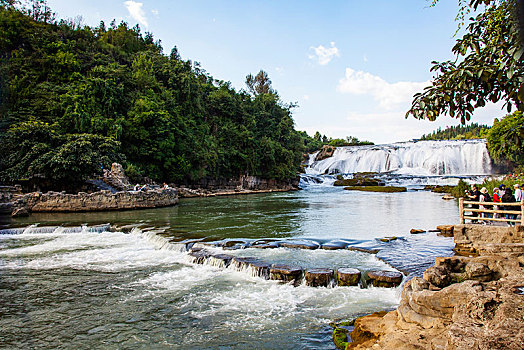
(438, 276)
(358, 182)
(347, 276)
(20, 212)
(285, 273)
(220, 260)
(334, 245)
(233, 244)
(385, 278)
(319, 277)
(388, 239)
(269, 245)
(241, 263)
(446, 230)
(260, 269)
(363, 249)
(415, 231)
(300, 245)
(199, 256)
(326, 152)
(371, 247)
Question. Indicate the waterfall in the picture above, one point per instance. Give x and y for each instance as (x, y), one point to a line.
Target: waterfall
(427, 158)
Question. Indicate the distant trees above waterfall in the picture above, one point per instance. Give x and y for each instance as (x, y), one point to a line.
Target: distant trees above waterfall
(316, 142)
(459, 132)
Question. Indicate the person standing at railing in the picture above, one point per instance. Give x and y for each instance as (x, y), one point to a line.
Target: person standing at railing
(474, 195)
(484, 197)
(508, 197)
(496, 199)
(518, 192)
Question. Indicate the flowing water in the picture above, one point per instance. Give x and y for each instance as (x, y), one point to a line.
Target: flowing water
(124, 279)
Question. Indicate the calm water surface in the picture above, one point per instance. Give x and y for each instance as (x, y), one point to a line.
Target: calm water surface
(91, 288)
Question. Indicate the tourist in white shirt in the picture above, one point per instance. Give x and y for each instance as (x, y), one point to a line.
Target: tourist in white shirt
(518, 193)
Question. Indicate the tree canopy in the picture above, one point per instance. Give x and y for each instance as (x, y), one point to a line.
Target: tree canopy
(487, 67)
(505, 139)
(75, 97)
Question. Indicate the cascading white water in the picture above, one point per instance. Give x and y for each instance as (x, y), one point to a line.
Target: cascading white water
(458, 157)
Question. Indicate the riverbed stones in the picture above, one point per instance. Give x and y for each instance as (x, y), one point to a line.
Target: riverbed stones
(415, 231)
(385, 278)
(446, 230)
(199, 256)
(347, 276)
(388, 239)
(242, 263)
(318, 277)
(334, 245)
(260, 269)
(286, 273)
(220, 260)
(300, 245)
(269, 245)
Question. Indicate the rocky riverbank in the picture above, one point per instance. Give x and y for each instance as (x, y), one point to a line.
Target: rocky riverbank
(462, 302)
(24, 204)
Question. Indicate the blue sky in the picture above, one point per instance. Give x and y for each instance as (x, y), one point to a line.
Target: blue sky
(352, 66)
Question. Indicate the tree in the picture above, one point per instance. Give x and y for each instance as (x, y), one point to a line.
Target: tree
(487, 67)
(505, 139)
(259, 84)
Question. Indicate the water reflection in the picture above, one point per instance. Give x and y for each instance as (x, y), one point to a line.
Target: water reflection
(324, 212)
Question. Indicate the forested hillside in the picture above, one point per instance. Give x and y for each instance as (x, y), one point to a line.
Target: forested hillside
(458, 132)
(75, 98)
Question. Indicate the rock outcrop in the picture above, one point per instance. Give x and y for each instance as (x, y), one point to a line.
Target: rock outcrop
(97, 201)
(472, 302)
(246, 184)
(325, 152)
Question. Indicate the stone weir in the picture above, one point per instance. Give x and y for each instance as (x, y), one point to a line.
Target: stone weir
(198, 253)
(296, 275)
(97, 201)
(462, 302)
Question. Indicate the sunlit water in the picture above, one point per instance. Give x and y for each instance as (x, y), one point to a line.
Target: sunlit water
(92, 288)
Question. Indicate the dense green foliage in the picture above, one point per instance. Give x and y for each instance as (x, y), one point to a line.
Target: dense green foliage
(75, 97)
(316, 142)
(505, 139)
(458, 132)
(487, 67)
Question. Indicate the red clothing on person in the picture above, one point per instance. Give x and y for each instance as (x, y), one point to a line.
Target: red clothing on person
(496, 198)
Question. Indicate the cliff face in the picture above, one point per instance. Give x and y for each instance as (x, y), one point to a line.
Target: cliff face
(473, 302)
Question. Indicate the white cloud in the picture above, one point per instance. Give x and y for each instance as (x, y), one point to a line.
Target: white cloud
(279, 69)
(155, 12)
(306, 97)
(136, 11)
(324, 54)
(388, 95)
(365, 58)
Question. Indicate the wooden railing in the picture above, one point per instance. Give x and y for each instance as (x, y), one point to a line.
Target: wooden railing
(502, 218)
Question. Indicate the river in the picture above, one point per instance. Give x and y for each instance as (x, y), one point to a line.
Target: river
(118, 280)
(67, 286)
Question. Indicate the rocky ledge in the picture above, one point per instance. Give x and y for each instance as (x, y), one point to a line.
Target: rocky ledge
(462, 302)
(97, 201)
